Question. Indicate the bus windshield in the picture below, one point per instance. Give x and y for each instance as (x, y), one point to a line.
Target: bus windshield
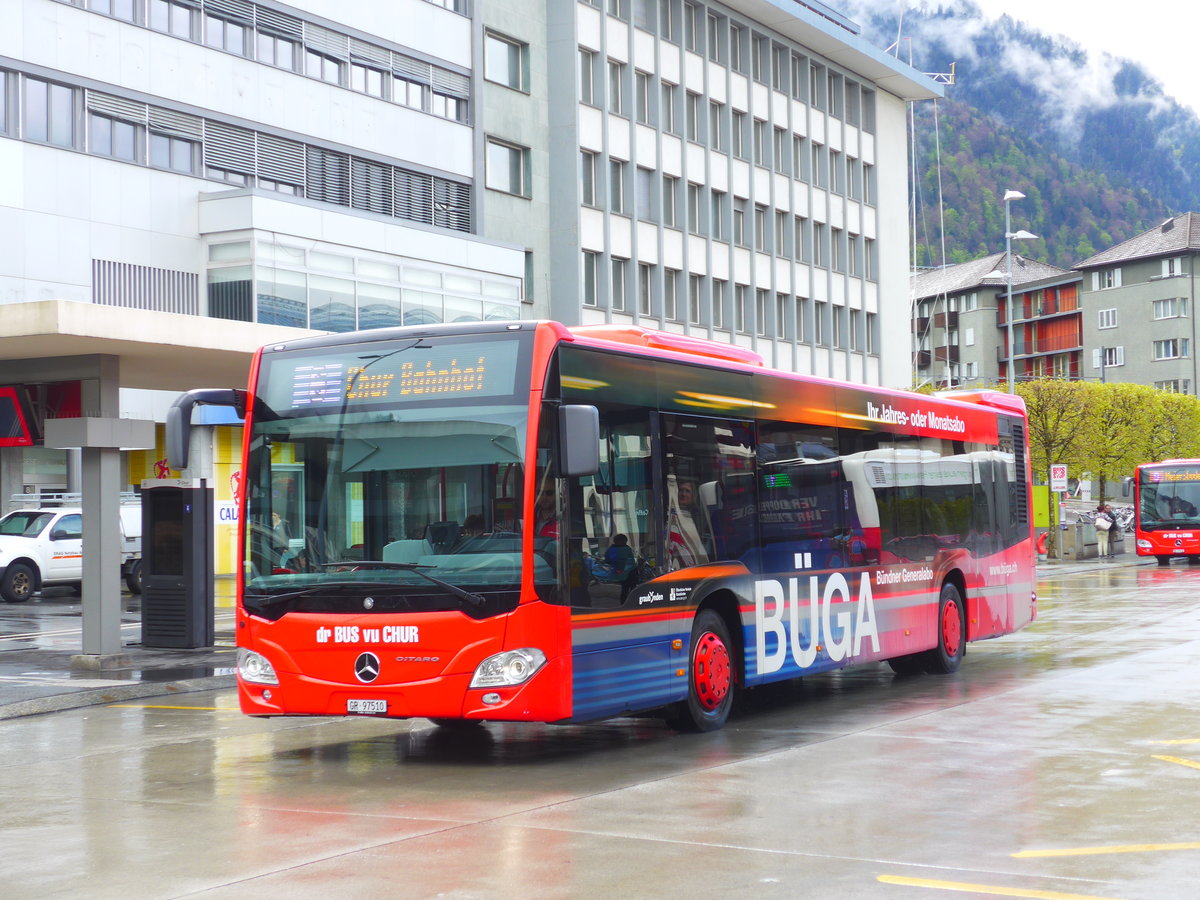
(391, 471)
(1169, 497)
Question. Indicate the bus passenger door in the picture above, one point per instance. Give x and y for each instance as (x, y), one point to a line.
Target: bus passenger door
(620, 648)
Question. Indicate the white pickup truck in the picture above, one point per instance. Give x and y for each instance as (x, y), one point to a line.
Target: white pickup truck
(44, 547)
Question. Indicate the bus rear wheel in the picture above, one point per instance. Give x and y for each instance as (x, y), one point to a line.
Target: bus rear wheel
(946, 657)
(710, 677)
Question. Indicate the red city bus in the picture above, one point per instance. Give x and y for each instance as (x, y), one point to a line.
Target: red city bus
(1166, 497)
(528, 522)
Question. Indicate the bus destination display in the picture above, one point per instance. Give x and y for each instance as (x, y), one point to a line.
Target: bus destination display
(463, 371)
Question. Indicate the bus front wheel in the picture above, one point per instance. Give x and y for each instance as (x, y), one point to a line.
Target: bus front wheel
(1163, 560)
(946, 657)
(710, 677)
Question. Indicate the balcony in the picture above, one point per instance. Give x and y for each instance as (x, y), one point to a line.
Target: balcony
(945, 320)
(922, 359)
(947, 353)
(920, 324)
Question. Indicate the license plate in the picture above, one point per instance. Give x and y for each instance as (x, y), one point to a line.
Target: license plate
(366, 707)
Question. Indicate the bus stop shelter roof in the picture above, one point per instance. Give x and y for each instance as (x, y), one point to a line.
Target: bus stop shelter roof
(156, 350)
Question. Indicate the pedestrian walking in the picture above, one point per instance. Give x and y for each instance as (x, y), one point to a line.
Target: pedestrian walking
(1104, 523)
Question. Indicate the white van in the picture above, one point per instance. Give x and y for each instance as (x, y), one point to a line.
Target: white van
(43, 547)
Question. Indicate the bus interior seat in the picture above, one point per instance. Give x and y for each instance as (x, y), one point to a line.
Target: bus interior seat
(442, 536)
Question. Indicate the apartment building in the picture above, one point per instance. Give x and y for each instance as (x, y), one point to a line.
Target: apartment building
(184, 180)
(961, 329)
(1139, 301)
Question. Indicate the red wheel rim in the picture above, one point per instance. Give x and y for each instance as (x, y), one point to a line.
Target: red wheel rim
(951, 629)
(711, 671)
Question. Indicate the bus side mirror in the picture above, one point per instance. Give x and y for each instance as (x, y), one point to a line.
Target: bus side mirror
(1126, 486)
(179, 418)
(578, 440)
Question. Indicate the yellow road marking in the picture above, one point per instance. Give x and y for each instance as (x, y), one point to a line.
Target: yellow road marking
(1183, 741)
(158, 706)
(1191, 763)
(993, 890)
(1095, 851)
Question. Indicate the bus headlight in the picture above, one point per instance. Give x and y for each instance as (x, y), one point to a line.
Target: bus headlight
(255, 667)
(509, 668)
(1144, 544)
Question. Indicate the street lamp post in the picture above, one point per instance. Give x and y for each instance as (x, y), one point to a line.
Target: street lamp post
(1009, 234)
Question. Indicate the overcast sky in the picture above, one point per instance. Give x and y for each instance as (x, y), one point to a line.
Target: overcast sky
(1159, 34)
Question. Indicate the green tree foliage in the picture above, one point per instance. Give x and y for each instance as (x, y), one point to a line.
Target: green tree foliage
(1106, 429)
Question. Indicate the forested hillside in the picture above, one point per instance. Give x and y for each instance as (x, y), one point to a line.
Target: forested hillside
(1101, 153)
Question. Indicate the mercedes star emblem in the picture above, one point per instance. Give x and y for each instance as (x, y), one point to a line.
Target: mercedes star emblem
(366, 667)
(368, 603)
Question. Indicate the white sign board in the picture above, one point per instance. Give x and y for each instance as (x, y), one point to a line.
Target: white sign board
(1058, 478)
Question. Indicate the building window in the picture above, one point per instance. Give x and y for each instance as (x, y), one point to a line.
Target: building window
(366, 80)
(781, 233)
(693, 208)
(716, 225)
(1170, 308)
(326, 68)
(855, 327)
(713, 36)
(118, 9)
(616, 87)
(737, 48)
(820, 331)
(738, 135)
(799, 77)
(644, 194)
(619, 8)
(172, 18)
(507, 168)
(590, 263)
(642, 85)
(692, 118)
(695, 297)
(667, 108)
(1176, 386)
(1106, 278)
(448, 106)
(645, 289)
(226, 35)
(670, 200)
(1172, 348)
(720, 291)
(782, 331)
(818, 172)
(780, 150)
(1172, 266)
(716, 126)
(49, 113)
(176, 154)
(616, 186)
(837, 254)
(741, 312)
(692, 18)
(1107, 318)
(505, 61)
(619, 269)
(671, 294)
(408, 92)
(113, 137)
(818, 245)
(760, 142)
(800, 310)
(760, 312)
(587, 77)
(276, 51)
(760, 52)
(587, 177)
(1108, 357)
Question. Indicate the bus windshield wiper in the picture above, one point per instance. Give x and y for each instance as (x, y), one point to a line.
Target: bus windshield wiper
(264, 601)
(476, 600)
